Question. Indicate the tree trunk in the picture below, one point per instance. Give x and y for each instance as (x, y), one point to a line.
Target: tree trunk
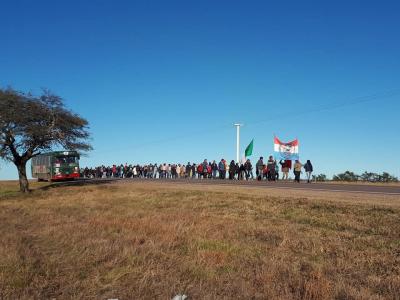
(23, 180)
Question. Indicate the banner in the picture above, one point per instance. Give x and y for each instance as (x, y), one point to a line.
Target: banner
(286, 151)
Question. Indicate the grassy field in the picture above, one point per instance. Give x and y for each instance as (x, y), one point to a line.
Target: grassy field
(135, 240)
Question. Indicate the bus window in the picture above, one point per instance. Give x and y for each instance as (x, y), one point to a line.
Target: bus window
(66, 160)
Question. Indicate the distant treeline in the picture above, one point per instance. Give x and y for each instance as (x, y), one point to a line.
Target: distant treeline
(365, 177)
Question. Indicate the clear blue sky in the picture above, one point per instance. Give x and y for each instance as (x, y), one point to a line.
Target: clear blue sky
(163, 81)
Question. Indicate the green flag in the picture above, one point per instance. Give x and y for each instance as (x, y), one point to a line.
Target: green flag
(249, 149)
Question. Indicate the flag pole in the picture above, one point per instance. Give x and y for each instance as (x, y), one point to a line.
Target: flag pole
(237, 141)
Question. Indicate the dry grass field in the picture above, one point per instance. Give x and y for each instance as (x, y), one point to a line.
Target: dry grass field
(138, 240)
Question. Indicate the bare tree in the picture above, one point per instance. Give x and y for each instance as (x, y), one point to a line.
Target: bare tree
(30, 125)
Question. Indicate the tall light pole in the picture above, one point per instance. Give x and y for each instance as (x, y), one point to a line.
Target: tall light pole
(237, 141)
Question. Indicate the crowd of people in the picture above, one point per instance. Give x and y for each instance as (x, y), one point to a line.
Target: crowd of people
(269, 170)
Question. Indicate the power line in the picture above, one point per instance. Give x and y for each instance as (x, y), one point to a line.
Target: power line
(333, 106)
(328, 107)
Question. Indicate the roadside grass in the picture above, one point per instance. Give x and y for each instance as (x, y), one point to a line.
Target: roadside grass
(153, 241)
(11, 188)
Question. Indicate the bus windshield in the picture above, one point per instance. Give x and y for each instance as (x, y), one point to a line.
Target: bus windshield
(66, 160)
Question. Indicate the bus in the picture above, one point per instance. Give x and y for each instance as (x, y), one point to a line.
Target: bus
(57, 165)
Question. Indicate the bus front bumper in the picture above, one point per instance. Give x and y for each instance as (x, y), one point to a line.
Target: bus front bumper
(65, 176)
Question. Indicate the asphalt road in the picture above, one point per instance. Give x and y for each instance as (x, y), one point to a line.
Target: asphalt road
(328, 187)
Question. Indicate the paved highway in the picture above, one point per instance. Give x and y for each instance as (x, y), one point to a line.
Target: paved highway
(329, 187)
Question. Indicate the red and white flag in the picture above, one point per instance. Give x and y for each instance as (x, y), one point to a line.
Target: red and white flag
(286, 151)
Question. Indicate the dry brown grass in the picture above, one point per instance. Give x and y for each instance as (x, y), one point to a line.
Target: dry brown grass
(155, 240)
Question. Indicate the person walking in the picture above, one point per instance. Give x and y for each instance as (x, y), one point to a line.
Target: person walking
(242, 172)
(237, 171)
(114, 171)
(308, 167)
(232, 168)
(271, 168)
(205, 169)
(159, 170)
(259, 168)
(214, 168)
(134, 172)
(276, 171)
(183, 171)
(248, 169)
(297, 171)
(145, 170)
(221, 169)
(188, 170)
(199, 170)
(194, 169)
(164, 171)
(286, 166)
(169, 171)
(154, 175)
(209, 171)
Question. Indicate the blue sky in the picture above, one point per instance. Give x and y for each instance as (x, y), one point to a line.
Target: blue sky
(163, 81)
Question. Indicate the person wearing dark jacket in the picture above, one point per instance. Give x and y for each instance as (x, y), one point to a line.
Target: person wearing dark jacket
(237, 171)
(309, 169)
(232, 170)
(214, 168)
(221, 169)
(271, 168)
(194, 168)
(248, 169)
(188, 170)
(259, 168)
(286, 166)
(242, 172)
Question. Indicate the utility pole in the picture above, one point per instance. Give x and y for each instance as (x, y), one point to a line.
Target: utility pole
(237, 141)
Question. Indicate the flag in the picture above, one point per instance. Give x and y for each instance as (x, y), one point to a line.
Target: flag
(249, 149)
(286, 151)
